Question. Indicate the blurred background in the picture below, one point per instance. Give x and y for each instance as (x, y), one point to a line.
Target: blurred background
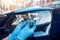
(10, 5)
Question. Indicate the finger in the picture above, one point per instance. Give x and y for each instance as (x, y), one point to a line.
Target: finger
(33, 25)
(28, 24)
(18, 28)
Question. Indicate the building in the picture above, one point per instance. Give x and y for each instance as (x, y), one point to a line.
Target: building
(9, 5)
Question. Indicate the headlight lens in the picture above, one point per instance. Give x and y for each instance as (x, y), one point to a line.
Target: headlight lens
(41, 17)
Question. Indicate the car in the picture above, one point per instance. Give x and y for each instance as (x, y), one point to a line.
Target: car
(41, 15)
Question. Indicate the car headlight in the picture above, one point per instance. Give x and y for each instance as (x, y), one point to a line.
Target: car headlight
(41, 17)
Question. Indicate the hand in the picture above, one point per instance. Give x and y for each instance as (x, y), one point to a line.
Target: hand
(27, 31)
(16, 31)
